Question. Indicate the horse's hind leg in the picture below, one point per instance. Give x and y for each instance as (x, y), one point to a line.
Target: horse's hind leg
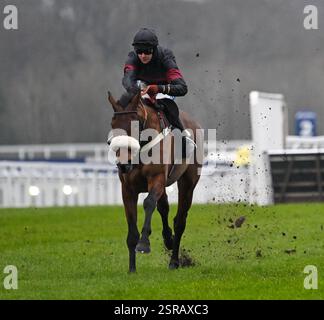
(163, 208)
(186, 186)
(156, 186)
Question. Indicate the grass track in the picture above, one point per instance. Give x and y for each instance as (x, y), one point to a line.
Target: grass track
(81, 253)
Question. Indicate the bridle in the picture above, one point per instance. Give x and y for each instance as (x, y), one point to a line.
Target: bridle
(147, 145)
(118, 113)
(143, 124)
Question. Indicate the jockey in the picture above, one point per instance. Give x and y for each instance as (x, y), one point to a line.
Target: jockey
(154, 65)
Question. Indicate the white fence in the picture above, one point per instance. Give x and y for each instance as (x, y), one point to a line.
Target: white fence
(296, 142)
(88, 152)
(54, 184)
(95, 182)
(98, 152)
(95, 152)
(42, 184)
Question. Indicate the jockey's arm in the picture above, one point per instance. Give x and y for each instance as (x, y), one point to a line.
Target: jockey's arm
(129, 81)
(130, 75)
(177, 86)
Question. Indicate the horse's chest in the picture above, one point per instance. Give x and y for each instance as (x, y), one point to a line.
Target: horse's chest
(134, 179)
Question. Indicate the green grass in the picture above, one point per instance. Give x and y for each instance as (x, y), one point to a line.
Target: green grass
(81, 253)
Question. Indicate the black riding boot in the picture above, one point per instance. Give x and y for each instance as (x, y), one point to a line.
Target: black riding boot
(187, 140)
(177, 123)
(172, 114)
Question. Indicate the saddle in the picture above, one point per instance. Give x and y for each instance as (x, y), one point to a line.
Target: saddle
(169, 111)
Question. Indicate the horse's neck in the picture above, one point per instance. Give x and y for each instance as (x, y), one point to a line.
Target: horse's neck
(153, 121)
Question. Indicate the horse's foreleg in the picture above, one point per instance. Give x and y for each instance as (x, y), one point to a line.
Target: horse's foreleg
(156, 187)
(163, 208)
(186, 187)
(130, 203)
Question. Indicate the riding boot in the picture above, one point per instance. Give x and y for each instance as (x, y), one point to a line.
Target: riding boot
(188, 144)
(172, 115)
(177, 123)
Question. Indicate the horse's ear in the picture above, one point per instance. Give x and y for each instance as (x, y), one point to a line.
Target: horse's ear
(113, 102)
(135, 100)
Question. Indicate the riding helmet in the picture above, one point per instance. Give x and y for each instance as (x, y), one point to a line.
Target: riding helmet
(145, 38)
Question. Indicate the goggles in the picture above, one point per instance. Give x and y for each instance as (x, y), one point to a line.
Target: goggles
(146, 51)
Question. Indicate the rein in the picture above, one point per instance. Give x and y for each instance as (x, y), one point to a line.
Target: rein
(118, 113)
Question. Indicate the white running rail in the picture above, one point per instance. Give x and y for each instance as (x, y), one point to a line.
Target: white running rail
(97, 152)
(25, 184)
(45, 184)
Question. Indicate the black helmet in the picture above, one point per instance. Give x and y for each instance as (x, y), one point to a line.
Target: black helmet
(145, 38)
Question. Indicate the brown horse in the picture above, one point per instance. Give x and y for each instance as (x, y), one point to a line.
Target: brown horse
(152, 178)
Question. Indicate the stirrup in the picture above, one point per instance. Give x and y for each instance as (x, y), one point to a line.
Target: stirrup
(186, 133)
(188, 137)
(190, 142)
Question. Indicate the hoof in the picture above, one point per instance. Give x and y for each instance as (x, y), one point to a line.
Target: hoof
(173, 265)
(143, 247)
(132, 270)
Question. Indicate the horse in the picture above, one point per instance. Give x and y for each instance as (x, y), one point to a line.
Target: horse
(152, 178)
